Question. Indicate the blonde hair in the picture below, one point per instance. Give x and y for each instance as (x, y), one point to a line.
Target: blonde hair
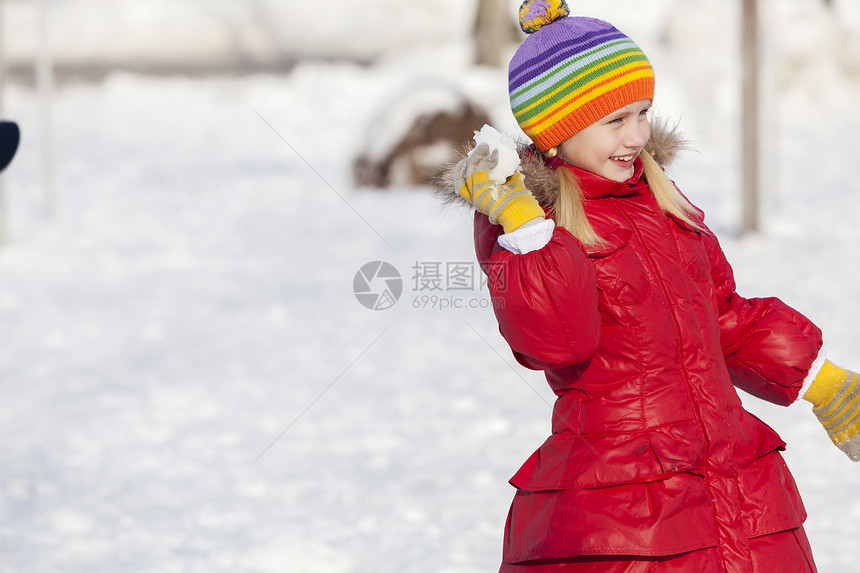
(569, 211)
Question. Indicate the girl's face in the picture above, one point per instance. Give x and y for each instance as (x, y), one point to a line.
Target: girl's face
(608, 146)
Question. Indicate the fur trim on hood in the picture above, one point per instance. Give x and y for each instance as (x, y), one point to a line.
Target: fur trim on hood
(664, 145)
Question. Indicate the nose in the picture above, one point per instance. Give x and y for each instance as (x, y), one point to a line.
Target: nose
(637, 134)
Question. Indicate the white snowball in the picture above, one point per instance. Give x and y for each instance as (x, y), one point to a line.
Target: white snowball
(509, 158)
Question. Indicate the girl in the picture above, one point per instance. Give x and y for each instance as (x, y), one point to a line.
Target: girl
(607, 278)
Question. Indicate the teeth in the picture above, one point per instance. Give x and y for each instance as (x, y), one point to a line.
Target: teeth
(626, 158)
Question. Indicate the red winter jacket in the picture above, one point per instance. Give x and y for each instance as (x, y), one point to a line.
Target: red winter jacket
(643, 340)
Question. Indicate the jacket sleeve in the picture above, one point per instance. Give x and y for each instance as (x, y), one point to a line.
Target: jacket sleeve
(768, 346)
(545, 301)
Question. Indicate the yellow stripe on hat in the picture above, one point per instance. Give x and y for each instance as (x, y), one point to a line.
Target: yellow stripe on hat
(634, 72)
(613, 72)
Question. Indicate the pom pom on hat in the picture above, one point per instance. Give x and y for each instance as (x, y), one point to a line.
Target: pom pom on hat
(535, 14)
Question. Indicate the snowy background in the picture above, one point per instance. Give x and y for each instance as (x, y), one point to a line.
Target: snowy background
(187, 382)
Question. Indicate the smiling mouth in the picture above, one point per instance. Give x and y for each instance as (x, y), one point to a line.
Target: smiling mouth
(624, 158)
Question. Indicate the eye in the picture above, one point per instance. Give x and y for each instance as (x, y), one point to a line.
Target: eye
(617, 120)
(644, 112)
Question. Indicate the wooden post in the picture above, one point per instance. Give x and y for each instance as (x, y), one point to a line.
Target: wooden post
(750, 161)
(3, 232)
(494, 30)
(45, 87)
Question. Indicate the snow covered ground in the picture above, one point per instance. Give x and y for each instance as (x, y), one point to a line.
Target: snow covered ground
(189, 384)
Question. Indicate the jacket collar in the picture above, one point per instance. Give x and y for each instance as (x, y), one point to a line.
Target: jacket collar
(595, 186)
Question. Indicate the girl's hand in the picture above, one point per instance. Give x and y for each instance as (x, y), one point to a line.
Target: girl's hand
(510, 205)
(835, 393)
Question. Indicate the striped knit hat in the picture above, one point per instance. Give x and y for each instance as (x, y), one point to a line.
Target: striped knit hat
(571, 71)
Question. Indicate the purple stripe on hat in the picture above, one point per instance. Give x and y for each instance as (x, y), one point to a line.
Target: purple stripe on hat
(535, 66)
(564, 39)
(540, 64)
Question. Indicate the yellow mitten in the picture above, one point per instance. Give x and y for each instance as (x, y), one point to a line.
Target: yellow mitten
(835, 395)
(510, 205)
